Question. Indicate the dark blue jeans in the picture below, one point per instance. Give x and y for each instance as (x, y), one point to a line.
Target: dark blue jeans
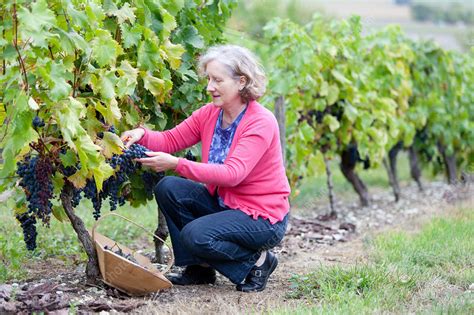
(204, 232)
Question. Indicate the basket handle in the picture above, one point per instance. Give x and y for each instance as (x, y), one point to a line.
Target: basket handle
(96, 224)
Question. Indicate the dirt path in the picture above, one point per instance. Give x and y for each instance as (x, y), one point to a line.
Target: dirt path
(309, 244)
(305, 250)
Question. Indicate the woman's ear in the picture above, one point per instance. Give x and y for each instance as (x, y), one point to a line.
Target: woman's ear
(242, 82)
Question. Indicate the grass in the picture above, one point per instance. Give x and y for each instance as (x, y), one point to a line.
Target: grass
(427, 273)
(59, 241)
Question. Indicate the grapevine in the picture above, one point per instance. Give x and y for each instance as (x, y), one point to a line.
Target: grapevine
(77, 73)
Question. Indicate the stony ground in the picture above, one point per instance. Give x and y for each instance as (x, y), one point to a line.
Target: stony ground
(309, 243)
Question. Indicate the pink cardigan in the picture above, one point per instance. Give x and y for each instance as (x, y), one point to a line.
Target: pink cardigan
(252, 178)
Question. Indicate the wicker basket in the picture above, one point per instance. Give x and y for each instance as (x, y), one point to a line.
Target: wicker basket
(123, 274)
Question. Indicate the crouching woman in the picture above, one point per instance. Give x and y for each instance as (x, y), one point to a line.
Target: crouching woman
(226, 212)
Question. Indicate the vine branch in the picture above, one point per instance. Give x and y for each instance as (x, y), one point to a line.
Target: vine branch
(15, 44)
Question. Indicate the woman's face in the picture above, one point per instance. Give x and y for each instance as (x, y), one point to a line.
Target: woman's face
(223, 88)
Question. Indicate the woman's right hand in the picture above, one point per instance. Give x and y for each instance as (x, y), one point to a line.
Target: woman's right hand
(129, 137)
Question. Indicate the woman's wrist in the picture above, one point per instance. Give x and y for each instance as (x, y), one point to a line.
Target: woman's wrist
(175, 162)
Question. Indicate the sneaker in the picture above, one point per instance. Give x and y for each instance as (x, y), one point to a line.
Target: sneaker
(257, 279)
(193, 274)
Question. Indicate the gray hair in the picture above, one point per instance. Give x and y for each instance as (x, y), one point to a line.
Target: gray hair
(240, 62)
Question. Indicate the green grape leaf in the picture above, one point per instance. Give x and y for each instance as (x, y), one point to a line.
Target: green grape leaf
(78, 17)
(128, 79)
(125, 13)
(131, 35)
(324, 89)
(69, 114)
(21, 134)
(95, 13)
(76, 40)
(350, 112)
(333, 94)
(173, 6)
(316, 163)
(148, 55)
(132, 118)
(103, 83)
(331, 122)
(306, 132)
(58, 77)
(169, 22)
(105, 49)
(68, 159)
(340, 77)
(78, 139)
(190, 36)
(39, 17)
(58, 182)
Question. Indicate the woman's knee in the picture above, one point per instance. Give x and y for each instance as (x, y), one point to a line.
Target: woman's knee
(164, 186)
(194, 238)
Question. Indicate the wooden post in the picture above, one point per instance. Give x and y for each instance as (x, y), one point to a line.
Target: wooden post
(281, 118)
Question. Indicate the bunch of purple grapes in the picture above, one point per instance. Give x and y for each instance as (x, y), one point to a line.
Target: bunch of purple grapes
(124, 166)
(28, 225)
(36, 180)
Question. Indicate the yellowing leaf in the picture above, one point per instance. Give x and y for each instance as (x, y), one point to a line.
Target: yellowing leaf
(111, 111)
(3, 113)
(114, 109)
(78, 179)
(153, 84)
(32, 103)
(173, 54)
(59, 213)
(111, 144)
(316, 163)
(101, 173)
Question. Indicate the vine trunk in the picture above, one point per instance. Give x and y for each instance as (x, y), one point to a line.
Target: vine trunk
(92, 267)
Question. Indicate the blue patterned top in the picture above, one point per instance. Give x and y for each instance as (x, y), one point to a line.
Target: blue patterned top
(221, 141)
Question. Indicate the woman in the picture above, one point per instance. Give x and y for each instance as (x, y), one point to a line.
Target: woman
(230, 223)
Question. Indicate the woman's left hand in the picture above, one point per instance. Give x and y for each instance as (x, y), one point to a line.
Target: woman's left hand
(159, 161)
